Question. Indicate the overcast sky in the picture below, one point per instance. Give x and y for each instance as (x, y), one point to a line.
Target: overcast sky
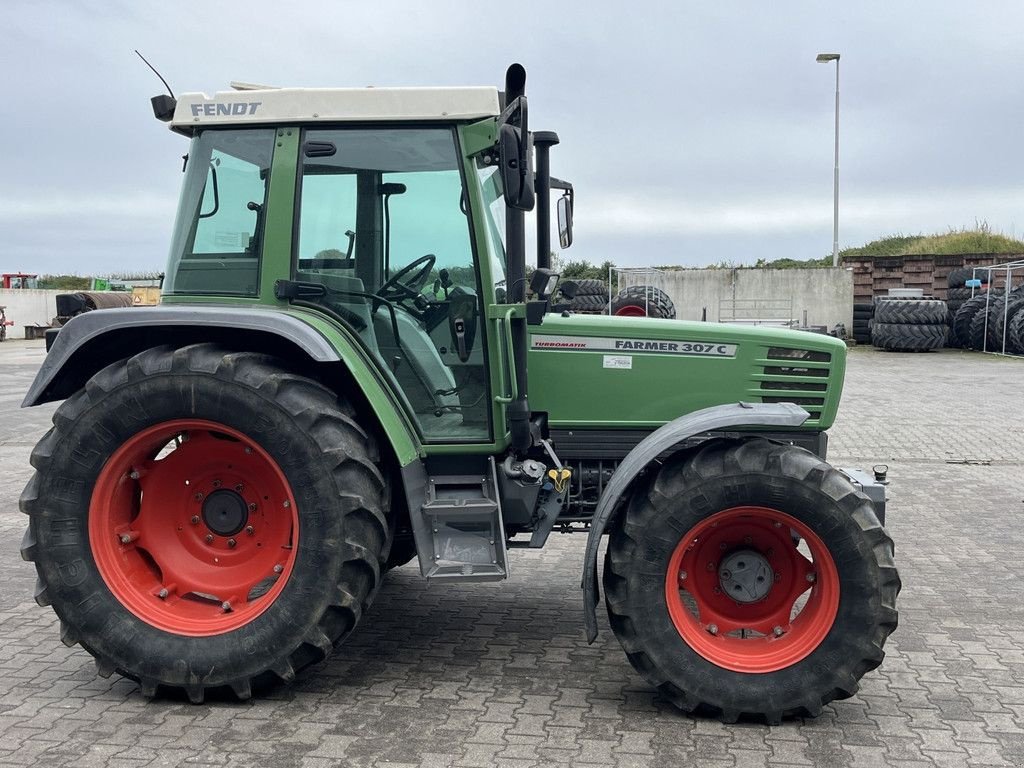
(695, 132)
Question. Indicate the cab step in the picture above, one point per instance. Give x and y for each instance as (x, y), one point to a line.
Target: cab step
(466, 537)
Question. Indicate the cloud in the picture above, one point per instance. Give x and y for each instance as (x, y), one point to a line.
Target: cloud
(60, 207)
(918, 210)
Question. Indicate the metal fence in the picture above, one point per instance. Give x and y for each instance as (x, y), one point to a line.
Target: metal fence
(623, 277)
(773, 312)
(1013, 270)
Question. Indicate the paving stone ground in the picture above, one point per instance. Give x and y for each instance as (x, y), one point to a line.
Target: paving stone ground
(500, 675)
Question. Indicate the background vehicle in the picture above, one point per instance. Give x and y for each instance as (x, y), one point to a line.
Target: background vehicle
(343, 374)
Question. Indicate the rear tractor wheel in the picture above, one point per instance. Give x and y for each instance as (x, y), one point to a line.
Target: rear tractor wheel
(751, 580)
(203, 520)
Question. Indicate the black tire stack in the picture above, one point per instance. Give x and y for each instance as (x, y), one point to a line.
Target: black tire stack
(909, 325)
(955, 300)
(982, 322)
(591, 297)
(862, 318)
(963, 320)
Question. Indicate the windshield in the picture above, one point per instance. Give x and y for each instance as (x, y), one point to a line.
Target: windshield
(216, 245)
(494, 211)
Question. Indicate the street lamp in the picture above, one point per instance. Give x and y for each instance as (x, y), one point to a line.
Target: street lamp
(825, 58)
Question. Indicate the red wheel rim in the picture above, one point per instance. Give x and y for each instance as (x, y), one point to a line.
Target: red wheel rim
(631, 311)
(192, 526)
(753, 634)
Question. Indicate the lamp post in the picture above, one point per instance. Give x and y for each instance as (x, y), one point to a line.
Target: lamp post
(825, 58)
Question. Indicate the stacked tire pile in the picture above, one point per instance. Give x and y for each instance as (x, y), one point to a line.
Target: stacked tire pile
(591, 297)
(863, 315)
(988, 319)
(957, 295)
(909, 325)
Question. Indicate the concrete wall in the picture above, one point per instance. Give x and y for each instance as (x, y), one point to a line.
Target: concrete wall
(825, 294)
(28, 307)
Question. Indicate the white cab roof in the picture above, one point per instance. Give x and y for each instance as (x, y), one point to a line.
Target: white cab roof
(304, 105)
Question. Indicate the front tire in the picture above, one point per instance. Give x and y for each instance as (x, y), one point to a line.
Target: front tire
(785, 633)
(203, 520)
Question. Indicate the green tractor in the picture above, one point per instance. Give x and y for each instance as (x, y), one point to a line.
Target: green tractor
(345, 374)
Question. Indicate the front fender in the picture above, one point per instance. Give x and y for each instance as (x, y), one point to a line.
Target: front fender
(716, 418)
(94, 339)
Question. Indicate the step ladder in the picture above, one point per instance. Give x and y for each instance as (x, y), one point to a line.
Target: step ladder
(462, 515)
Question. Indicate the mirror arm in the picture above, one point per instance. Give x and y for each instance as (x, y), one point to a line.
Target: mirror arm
(542, 143)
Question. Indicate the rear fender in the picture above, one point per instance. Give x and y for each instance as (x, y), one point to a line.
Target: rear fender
(712, 419)
(95, 339)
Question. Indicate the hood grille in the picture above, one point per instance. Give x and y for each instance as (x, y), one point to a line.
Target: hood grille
(798, 376)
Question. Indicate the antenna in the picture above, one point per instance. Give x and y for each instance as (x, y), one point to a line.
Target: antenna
(155, 72)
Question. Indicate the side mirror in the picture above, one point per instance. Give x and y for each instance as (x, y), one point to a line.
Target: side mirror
(565, 221)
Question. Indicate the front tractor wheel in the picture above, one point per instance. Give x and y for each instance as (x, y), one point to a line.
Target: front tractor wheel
(204, 520)
(751, 580)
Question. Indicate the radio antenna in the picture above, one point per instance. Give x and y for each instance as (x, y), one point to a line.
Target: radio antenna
(155, 72)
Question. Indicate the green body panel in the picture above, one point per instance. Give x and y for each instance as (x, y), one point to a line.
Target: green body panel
(576, 389)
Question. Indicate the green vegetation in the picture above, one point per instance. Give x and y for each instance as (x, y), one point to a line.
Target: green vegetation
(65, 282)
(980, 239)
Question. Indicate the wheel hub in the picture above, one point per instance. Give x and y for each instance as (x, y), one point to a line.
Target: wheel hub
(745, 576)
(225, 512)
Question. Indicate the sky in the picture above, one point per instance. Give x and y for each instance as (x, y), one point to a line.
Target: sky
(695, 133)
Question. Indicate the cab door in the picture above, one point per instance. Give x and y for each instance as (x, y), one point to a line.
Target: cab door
(384, 225)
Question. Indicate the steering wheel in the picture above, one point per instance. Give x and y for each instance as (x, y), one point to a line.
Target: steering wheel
(397, 287)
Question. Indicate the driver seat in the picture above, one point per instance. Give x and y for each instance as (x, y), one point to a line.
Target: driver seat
(420, 371)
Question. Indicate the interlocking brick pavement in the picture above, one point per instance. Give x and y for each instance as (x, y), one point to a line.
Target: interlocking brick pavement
(500, 675)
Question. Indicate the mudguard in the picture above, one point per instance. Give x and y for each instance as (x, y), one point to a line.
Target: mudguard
(322, 343)
(716, 418)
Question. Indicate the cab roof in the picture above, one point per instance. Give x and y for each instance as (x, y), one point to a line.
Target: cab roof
(249, 106)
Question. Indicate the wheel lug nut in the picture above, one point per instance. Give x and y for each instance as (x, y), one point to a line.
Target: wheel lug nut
(162, 593)
(199, 497)
(278, 568)
(713, 629)
(134, 474)
(194, 520)
(777, 524)
(777, 631)
(748, 540)
(216, 483)
(778, 576)
(249, 529)
(248, 449)
(711, 566)
(682, 575)
(717, 590)
(238, 488)
(812, 577)
(252, 507)
(232, 543)
(209, 538)
(225, 606)
(723, 546)
(287, 504)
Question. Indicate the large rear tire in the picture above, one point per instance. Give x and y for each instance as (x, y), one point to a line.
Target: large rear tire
(204, 520)
(799, 631)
